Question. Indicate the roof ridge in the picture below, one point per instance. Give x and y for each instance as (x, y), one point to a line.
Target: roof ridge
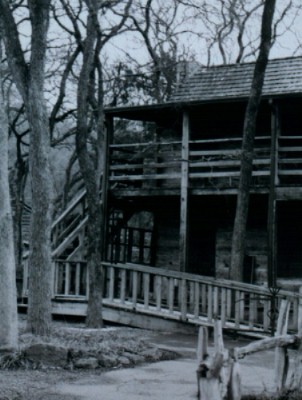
(270, 61)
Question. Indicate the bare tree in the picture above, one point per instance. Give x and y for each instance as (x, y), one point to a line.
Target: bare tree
(159, 26)
(29, 79)
(89, 39)
(8, 302)
(238, 239)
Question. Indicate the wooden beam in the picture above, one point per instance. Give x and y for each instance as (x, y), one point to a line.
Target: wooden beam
(272, 202)
(183, 231)
(108, 135)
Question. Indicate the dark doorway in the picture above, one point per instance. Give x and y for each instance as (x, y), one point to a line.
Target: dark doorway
(289, 217)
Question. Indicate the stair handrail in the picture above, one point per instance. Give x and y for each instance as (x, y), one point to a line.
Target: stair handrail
(69, 208)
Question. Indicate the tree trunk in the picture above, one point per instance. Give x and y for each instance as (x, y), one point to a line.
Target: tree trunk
(249, 130)
(29, 79)
(8, 298)
(40, 263)
(91, 179)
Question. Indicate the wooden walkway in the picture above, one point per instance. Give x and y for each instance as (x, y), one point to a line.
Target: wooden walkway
(174, 296)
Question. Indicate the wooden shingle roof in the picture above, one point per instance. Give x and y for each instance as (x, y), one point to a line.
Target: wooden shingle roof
(283, 77)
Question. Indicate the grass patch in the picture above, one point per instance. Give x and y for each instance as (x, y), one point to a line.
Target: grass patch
(285, 395)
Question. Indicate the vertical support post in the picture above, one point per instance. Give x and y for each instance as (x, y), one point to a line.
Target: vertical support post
(183, 234)
(272, 202)
(105, 182)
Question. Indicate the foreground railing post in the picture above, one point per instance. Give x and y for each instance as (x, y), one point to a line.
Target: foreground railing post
(213, 380)
(281, 355)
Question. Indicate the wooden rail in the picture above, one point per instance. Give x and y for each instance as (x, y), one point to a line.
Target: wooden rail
(160, 163)
(185, 297)
(67, 231)
(210, 160)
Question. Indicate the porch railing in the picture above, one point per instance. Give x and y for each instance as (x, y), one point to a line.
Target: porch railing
(186, 297)
(159, 164)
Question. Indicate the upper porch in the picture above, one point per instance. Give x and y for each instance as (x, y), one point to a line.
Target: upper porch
(158, 149)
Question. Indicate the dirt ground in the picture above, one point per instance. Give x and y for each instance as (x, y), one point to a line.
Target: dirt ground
(22, 378)
(125, 380)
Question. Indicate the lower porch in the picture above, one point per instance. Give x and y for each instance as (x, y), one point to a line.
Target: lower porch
(149, 297)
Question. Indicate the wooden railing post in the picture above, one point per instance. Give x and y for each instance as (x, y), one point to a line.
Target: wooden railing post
(281, 355)
(183, 230)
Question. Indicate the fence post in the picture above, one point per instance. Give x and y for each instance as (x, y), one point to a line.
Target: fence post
(281, 355)
(296, 380)
(211, 382)
(300, 312)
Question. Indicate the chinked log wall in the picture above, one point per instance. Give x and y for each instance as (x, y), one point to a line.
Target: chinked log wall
(182, 297)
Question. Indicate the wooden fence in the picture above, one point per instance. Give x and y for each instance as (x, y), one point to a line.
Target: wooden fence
(184, 297)
(218, 374)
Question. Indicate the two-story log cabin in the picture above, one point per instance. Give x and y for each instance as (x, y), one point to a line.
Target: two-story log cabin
(172, 184)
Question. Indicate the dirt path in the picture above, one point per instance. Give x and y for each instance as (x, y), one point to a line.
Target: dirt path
(165, 380)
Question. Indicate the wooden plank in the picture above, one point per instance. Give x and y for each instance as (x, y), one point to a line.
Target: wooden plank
(227, 140)
(195, 175)
(294, 320)
(67, 278)
(252, 310)
(191, 296)
(183, 227)
(283, 149)
(266, 344)
(237, 308)
(202, 344)
(134, 287)
(146, 285)
(171, 295)
(266, 319)
(226, 163)
(242, 299)
(143, 144)
(77, 279)
(290, 161)
(131, 167)
(215, 302)
(204, 298)
(229, 304)
(130, 178)
(224, 152)
(158, 292)
(210, 303)
(196, 299)
(223, 306)
(284, 172)
(111, 283)
(123, 286)
(281, 355)
(290, 137)
(183, 305)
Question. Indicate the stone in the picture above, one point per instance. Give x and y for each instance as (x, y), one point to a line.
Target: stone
(124, 361)
(134, 358)
(107, 361)
(86, 363)
(47, 354)
(152, 354)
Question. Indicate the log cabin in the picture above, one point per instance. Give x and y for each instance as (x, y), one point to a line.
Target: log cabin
(169, 190)
(172, 183)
